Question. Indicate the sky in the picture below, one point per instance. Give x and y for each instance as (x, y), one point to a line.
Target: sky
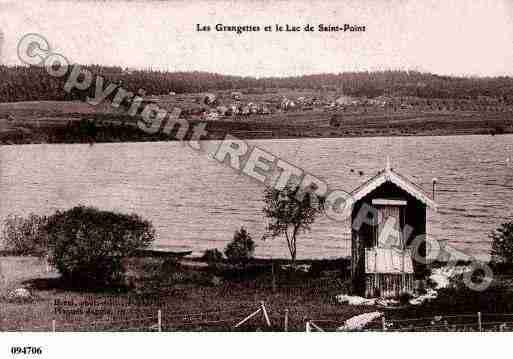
(449, 37)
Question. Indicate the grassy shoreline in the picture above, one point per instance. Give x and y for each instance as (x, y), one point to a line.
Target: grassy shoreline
(231, 300)
(200, 298)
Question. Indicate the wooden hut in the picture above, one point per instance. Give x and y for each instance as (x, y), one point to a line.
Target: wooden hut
(388, 219)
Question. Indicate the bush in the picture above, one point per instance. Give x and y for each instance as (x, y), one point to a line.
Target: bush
(241, 248)
(335, 121)
(461, 299)
(457, 298)
(25, 236)
(87, 245)
(502, 243)
(212, 256)
(404, 298)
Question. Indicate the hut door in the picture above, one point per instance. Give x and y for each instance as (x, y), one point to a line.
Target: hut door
(393, 215)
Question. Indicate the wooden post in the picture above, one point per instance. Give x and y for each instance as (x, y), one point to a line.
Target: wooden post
(383, 324)
(479, 324)
(265, 314)
(376, 277)
(274, 278)
(159, 320)
(286, 321)
(53, 325)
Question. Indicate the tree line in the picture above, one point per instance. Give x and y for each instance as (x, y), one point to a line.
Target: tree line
(23, 83)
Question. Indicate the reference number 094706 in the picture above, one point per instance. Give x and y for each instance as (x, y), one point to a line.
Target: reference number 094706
(26, 350)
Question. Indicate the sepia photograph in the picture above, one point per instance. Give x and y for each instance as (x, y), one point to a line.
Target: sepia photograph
(255, 166)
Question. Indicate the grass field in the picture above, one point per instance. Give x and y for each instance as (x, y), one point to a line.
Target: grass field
(46, 121)
(197, 297)
(186, 306)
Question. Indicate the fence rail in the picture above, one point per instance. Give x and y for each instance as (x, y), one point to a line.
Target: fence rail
(259, 316)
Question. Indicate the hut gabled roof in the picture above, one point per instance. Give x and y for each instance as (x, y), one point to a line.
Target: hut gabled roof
(389, 175)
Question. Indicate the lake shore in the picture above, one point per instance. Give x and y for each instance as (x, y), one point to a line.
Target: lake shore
(63, 123)
(201, 301)
(202, 298)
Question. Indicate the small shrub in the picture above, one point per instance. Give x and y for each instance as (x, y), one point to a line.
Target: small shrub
(404, 298)
(335, 121)
(170, 265)
(212, 256)
(25, 236)
(241, 248)
(502, 243)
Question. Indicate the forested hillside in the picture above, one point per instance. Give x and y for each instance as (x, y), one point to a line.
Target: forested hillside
(33, 83)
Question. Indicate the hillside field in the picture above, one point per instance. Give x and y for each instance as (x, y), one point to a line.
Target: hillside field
(318, 116)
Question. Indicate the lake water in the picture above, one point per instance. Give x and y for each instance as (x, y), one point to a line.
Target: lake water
(195, 201)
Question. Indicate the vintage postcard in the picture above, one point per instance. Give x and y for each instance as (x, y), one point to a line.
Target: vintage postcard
(243, 166)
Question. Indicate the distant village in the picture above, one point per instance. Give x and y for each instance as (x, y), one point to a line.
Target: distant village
(261, 112)
(237, 105)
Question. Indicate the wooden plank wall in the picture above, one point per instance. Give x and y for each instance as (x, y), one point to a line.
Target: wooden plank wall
(388, 285)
